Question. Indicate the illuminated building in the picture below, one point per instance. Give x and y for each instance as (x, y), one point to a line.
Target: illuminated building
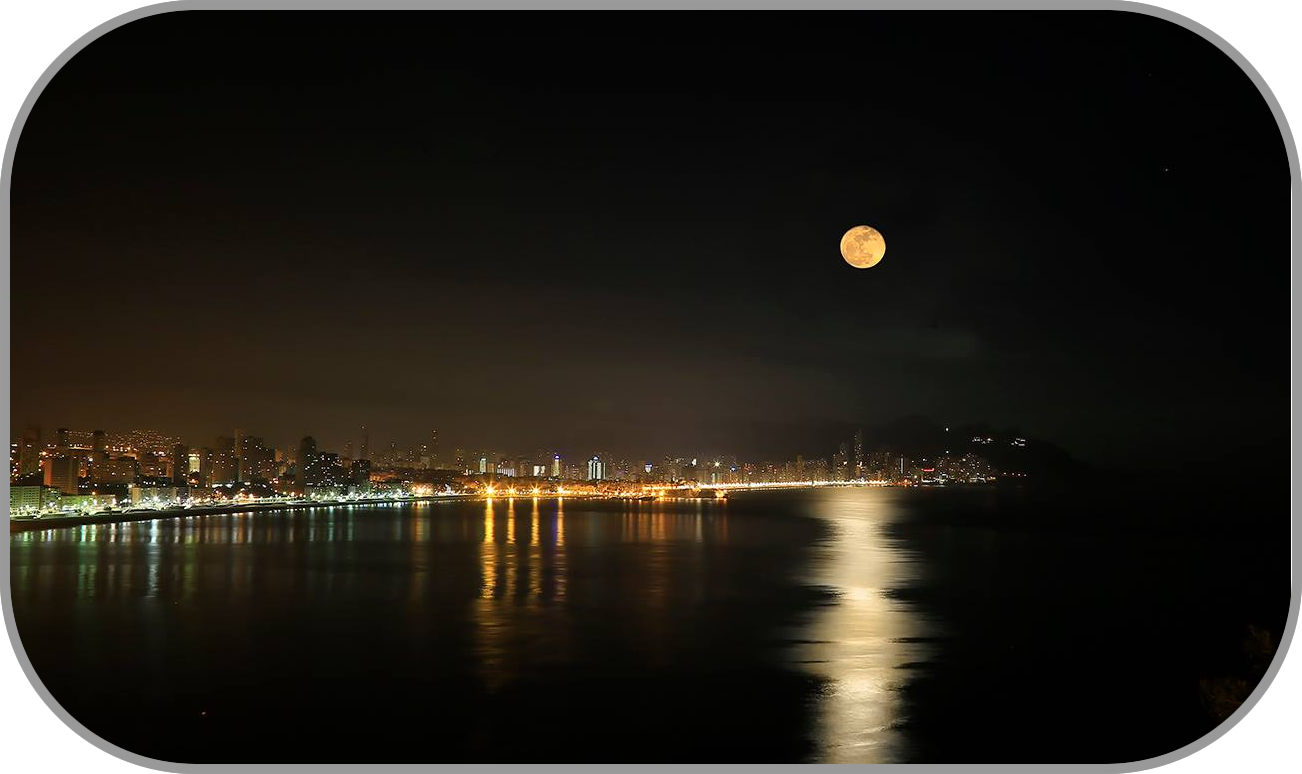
(118, 470)
(154, 465)
(153, 495)
(23, 499)
(149, 440)
(596, 469)
(841, 463)
(222, 466)
(859, 461)
(556, 466)
(366, 444)
(258, 460)
(204, 466)
(880, 466)
(969, 468)
(240, 472)
(360, 472)
(32, 498)
(324, 470)
(61, 472)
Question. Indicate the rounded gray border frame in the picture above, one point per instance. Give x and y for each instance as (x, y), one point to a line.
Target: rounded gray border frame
(1290, 146)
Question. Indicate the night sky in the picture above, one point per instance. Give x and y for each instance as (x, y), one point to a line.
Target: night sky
(621, 232)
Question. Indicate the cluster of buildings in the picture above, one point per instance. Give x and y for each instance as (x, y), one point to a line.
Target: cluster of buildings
(95, 470)
(92, 471)
(851, 462)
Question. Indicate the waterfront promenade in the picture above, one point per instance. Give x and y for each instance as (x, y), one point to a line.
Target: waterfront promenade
(108, 517)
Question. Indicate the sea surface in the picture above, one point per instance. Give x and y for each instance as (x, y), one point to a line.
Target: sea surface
(838, 625)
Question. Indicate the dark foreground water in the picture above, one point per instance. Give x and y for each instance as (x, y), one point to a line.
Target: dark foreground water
(826, 625)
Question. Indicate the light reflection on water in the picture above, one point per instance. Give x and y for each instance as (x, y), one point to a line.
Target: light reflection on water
(526, 587)
(868, 643)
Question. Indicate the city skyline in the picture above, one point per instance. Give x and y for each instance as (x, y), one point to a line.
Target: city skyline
(32, 446)
(94, 475)
(365, 438)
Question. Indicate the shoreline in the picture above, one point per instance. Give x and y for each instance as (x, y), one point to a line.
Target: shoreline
(55, 522)
(28, 524)
(21, 525)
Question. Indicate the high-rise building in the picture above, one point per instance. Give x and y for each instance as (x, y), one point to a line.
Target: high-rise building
(324, 470)
(61, 472)
(306, 460)
(366, 444)
(180, 464)
(32, 498)
(222, 466)
(223, 460)
(204, 466)
(556, 466)
(240, 465)
(257, 460)
(841, 463)
(201, 463)
(859, 461)
(29, 451)
(596, 469)
(117, 470)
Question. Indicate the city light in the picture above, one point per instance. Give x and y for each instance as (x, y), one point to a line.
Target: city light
(82, 475)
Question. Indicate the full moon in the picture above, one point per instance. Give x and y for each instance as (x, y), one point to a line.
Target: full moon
(863, 247)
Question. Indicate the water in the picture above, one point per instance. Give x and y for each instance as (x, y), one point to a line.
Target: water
(855, 625)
